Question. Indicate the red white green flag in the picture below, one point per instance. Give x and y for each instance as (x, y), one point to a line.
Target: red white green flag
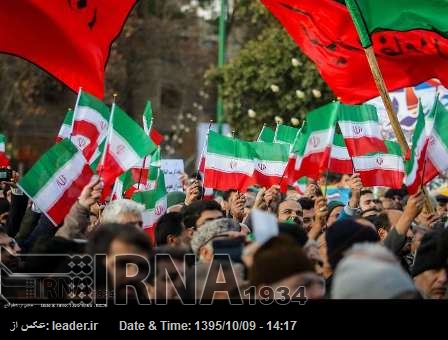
(361, 129)
(148, 125)
(229, 163)
(90, 124)
(437, 152)
(4, 159)
(340, 160)
(416, 164)
(127, 145)
(270, 160)
(311, 152)
(382, 169)
(55, 182)
(155, 202)
(66, 127)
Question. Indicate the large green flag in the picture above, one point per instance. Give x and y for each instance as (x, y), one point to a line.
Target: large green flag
(398, 15)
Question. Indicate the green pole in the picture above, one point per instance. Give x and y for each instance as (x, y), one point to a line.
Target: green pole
(221, 60)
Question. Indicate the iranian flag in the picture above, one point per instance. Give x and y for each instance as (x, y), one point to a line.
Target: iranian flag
(266, 135)
(55, 182)
(437, 152)
(90, 124)
(416, 164)
(311, 151)
(155, 202)
(66, 127)
(300, 185)
(361, 130)
(142, 178)
(285, 134)
(381, 169)
(270, 162)
(229, 163)
(4, 160)
(340, 160)
(127, 145)
(148, 121)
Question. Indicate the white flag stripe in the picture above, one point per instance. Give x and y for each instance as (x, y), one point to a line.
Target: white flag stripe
(339, 152)
(377, 162)
(64, 132)
(270, 168)
(122, 152)
(49, 194)
(229, 164)
(93, 117)
(360, 129)
(150, 217)
(2, 147)
(437, 151)
(318, 141)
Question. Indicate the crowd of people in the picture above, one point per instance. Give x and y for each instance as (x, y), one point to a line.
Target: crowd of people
(373, 244)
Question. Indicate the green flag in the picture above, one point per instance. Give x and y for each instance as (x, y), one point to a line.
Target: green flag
(398, 15)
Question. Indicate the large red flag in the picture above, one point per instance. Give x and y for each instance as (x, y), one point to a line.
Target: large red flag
(324, 31)
(70, 39)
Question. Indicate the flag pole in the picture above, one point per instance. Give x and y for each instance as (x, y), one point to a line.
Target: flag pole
(74, 111)
(144, 159)
(198, 175)
(381, 85)
(109, 135)
(379, 81)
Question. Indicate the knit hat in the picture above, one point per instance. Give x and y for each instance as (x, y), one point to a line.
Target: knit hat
(175, 197)
(211, 229)
(332, 205)
(277, 259)
(361, 276)
(432, 253)
(343, 235)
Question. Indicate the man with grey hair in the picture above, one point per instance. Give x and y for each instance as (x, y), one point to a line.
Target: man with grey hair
(202, 240)
(371, 271)
(123, 211)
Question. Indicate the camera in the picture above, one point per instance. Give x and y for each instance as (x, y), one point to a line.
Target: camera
(5, 174)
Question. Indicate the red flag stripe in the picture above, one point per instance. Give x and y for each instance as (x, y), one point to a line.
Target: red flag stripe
(61, 208)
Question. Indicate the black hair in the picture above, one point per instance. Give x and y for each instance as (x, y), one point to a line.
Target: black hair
(174, 253)
(226, 194)
(192, 212)
(295, 231)
(168, 224)
(102, 238)
(306, 203)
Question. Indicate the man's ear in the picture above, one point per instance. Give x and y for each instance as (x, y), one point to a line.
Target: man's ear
(171, 239)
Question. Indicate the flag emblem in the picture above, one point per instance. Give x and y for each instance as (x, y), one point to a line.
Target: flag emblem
(379, 161)
(120, 149)
(262, 166)
(357, 129)
(61, 181)
(314, 141)
(81, 142)
(159, 210)
(233, 164)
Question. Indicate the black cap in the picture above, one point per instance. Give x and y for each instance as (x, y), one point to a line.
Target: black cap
(432, 253)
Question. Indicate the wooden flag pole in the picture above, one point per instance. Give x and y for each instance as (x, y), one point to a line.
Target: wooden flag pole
(381, 85)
